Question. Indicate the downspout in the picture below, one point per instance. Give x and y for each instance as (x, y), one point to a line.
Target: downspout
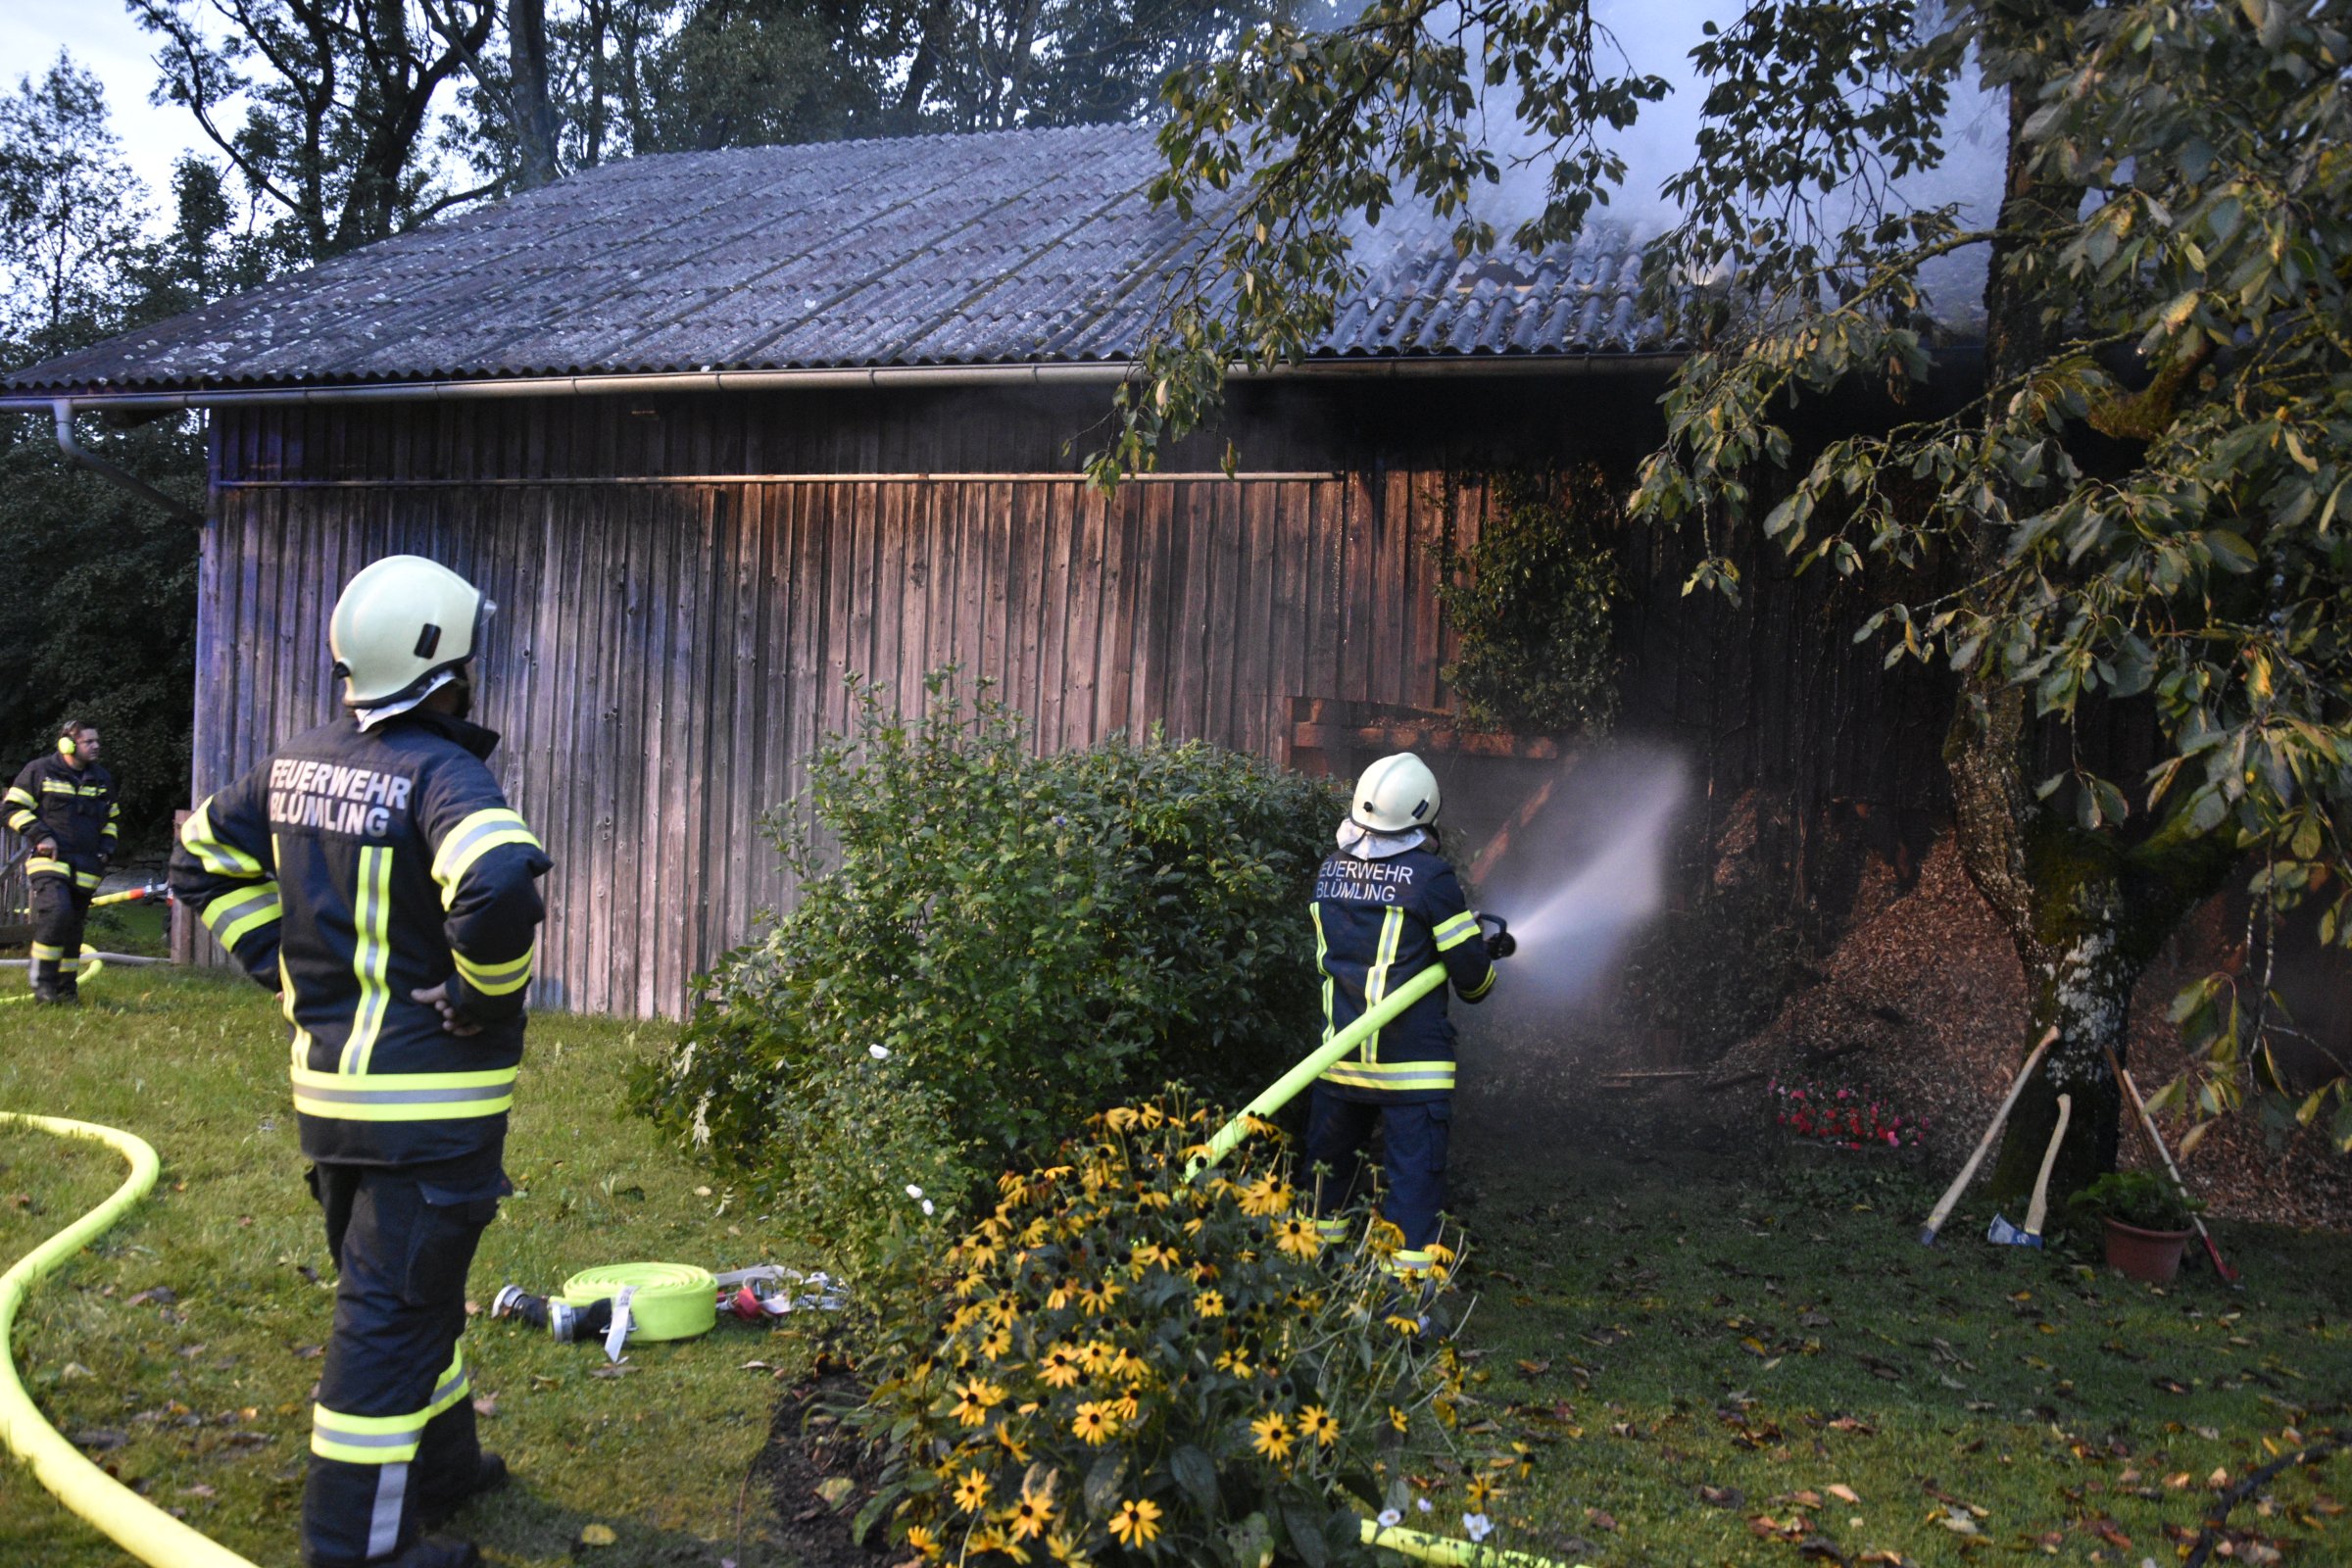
(74, 452)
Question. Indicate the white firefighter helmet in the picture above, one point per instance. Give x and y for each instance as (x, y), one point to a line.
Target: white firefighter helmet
(1396, 793)
(401, 621)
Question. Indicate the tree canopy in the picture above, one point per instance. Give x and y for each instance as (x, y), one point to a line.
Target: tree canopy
(2139, 512)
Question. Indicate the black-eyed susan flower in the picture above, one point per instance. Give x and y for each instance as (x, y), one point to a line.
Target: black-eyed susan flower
(1100, 1297)
(1094, 1355)
(1060, 1296)
(1478, 1493)
(1320, 1425)
(1030, 1515)
(1402, 1324)
(971, 1492)
(1210, 1303)
(922, 1541)
(1095, 1423)
(1298, 1237)
(996, 1343)
(1137, 1520)
(1399, 1419)
(974, 1399)
(1067, 1552)
(1059, 1366)
(1273, 1436)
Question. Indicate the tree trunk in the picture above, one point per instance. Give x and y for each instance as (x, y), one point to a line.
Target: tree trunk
(534, 113)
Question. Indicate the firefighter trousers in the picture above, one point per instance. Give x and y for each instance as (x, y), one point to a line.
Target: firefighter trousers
(392, 1434)
(60, 910)
(1413, 1138)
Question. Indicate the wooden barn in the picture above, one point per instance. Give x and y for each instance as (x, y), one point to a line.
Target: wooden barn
(719, 430)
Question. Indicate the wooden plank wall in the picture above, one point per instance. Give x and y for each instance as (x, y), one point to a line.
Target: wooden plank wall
(667, 654)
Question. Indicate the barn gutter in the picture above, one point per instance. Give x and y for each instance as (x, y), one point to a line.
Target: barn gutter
(875, 377)
(74, 452)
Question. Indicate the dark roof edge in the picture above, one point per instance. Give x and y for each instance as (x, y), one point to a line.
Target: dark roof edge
(1100, 372)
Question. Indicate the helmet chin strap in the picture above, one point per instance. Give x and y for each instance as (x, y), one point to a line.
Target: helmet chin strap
(370, 718)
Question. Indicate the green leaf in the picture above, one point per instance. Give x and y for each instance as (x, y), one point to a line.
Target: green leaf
(1305, 1530)
(2230, 551)
(1197, 1474)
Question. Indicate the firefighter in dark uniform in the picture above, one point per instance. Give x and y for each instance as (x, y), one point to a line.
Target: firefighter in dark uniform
(63, 805)
(371, 872)
(1387, 906)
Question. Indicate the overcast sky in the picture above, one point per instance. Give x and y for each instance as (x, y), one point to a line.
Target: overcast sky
(102, 38)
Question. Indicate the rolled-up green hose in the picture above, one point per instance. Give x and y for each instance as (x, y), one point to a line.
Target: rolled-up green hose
(1449, 1553)
(667, 1300)
(1288, 1087)
(137, 1525)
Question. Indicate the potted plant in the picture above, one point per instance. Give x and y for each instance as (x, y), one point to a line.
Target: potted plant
(2146, 1219)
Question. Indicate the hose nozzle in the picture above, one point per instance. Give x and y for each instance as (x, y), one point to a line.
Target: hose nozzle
(564, 1321)
(1501, 944)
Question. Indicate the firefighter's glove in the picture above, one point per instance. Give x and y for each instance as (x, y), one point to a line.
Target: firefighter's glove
(455, 1022)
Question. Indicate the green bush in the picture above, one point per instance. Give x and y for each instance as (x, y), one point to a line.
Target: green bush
(1533, 604)
(1118, 1364)
(990, 946)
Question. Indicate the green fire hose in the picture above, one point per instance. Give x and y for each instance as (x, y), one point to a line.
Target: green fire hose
(1447, 1552)
(137, 1525)
(664, 1300)
(1291, 1084)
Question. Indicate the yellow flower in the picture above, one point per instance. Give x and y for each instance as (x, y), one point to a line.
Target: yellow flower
(971, 1492)
(1135, 1522)
(1152, 1200)
(1100, 1299)
(1094, 1354)
(1154, 1116)
(1031, 1515)
(1274, 1438)
(1265, 1196)
(1297, 1238)
(1060, 1296)
(1059, 1366)
(1399, 1419)
(1126, 1407)
(922, 1541)
(1121, 1117)
(1402, 1325)
(996, 1342)
(1129, 1367)
(974, 1399)
(1210, 1303)
(1148, 1254)
(1067, 1551)
(1236, 1361)
(1095, 1423)
(1003, 1312)
(964, 1317)
(1319, 1424)
(968, 1284)
(1478, 1493)
(980, 1254)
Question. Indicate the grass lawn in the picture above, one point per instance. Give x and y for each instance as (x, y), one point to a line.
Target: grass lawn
(1700, 1353)
(202, 1400)
(1707, 1350)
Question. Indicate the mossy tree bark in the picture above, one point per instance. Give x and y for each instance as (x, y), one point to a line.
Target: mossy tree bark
(2086, 909)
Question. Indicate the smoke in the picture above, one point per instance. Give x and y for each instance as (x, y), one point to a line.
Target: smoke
(1582, 879)
(1656, 37)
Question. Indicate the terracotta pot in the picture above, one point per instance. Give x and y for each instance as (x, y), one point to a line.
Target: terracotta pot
(2151, 1255)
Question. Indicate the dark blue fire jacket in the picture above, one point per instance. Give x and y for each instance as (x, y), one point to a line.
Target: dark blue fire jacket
(1378, 923)
(71, 807)
(349, 869)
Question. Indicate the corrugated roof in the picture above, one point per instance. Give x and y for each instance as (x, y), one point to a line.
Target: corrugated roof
(1011, 247)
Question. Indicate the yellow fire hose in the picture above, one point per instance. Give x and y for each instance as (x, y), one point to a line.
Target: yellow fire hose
(665, 1300)
(1287, 1088)
(137, 1525)
(91, 966)
(1449, 1553)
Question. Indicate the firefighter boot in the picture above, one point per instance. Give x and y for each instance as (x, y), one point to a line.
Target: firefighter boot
(436, 1552)
(490, 1474)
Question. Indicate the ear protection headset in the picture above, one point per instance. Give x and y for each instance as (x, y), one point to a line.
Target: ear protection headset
(65, 734)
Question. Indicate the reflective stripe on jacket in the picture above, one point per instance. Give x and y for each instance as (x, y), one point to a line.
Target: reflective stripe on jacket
(350, 869)
(74, 806)
(1378, 923)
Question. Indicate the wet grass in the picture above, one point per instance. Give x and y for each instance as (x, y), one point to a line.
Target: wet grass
(1699, 1354)
(200, 1398)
